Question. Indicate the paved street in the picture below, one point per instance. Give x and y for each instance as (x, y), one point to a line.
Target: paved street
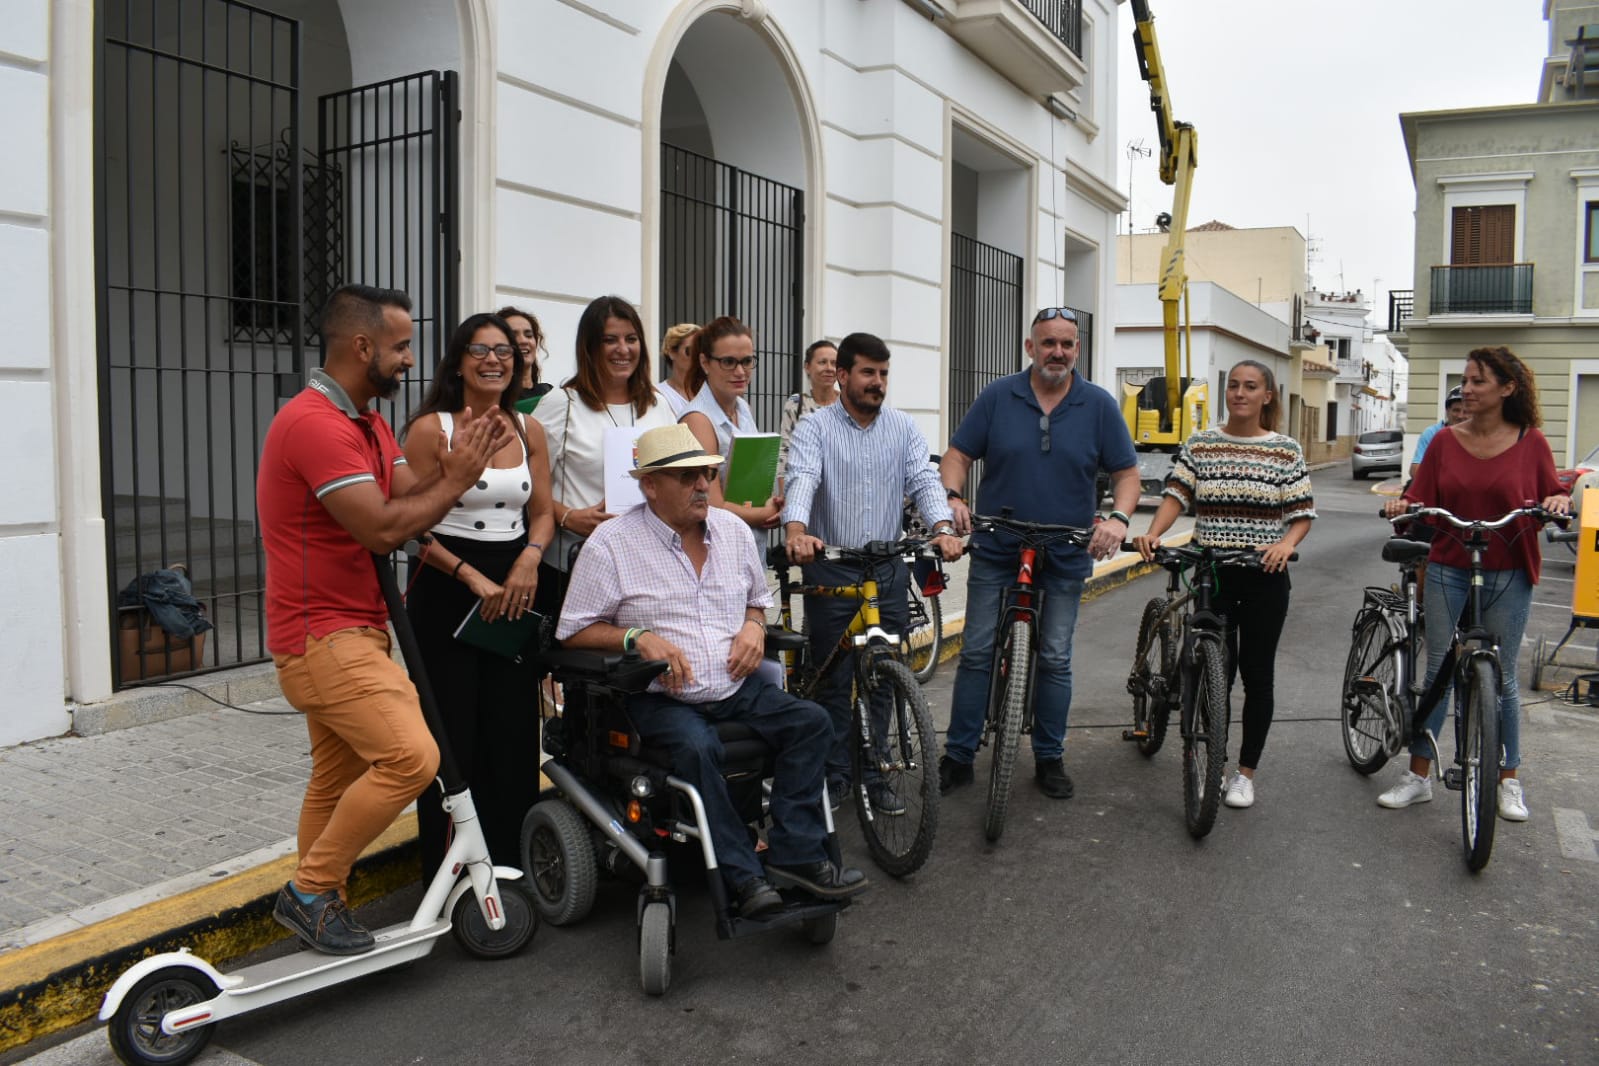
(1313, 928)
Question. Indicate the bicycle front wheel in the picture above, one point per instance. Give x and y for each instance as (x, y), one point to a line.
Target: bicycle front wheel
(1479, 763)
(1369, 683)
(924, 637)
(895, 765)
(1007, 710)
(1150, 682)
(1205, 746)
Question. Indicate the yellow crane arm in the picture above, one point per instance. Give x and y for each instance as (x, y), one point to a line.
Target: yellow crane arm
(1179, 154)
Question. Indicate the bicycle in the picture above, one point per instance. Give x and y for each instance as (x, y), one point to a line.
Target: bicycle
(1009, 712)
(1181, 663)
(1384, 703)
(924, 632)
(894, 757)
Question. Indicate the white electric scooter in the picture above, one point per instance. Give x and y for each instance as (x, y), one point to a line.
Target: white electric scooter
(161, 1012)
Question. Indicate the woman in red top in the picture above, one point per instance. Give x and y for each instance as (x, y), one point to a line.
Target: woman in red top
(1492, 463)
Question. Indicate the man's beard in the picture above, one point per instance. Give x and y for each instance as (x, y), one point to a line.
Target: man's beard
(384, 385)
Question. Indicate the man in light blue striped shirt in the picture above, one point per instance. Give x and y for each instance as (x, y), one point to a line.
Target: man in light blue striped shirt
(850, 466)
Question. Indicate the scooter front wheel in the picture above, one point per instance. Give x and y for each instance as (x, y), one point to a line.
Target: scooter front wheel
(135, 1029)
(472, 932)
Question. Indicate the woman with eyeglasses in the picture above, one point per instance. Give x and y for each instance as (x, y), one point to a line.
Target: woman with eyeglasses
(1248, 488)
(724, 365)
(485, 555)
(674, 348)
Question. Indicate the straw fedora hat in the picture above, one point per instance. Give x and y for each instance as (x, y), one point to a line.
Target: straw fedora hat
(670, 448)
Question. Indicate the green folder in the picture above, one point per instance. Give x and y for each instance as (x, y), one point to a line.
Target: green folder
(504, 638)
(752, 469)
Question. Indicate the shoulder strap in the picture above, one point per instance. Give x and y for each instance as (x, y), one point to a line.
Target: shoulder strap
(447, 427)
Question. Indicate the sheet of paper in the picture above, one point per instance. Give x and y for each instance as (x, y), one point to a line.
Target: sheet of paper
(621, 456)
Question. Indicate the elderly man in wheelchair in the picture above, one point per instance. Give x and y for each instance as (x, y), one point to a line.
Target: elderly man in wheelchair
(677, 587)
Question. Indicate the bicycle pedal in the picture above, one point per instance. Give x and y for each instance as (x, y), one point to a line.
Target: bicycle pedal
(1135, 734)
(1454, 779)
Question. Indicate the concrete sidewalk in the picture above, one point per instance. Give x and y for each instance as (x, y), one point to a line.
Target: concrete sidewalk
(176, 833)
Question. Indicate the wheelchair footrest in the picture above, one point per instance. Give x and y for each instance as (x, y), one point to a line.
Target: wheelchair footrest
(797, 908)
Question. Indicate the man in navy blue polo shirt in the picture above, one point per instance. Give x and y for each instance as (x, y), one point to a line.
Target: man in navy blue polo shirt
(1044, 435)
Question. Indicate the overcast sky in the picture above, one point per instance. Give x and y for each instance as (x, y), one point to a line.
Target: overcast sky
(1296, 105)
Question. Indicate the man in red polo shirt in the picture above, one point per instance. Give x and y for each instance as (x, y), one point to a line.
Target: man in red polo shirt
(334, 488)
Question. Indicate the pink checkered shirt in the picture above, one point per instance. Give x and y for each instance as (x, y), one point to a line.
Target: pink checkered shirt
(634, 572)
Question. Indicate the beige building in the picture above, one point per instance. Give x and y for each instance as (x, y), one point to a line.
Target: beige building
(1265, 266)
(1507, 239)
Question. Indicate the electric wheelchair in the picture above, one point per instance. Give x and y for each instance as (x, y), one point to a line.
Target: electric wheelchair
(617, 807)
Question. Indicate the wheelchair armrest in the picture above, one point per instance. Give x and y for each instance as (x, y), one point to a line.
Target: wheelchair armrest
(779, 639)
(618, 670)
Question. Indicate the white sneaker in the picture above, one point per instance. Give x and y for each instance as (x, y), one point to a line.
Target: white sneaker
(1412, 788)
(1512, 804)
(1240, 792)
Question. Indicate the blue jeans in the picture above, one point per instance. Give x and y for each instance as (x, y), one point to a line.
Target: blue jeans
(1506, 597)
(798, 730)
(986, 582)
(828, 617)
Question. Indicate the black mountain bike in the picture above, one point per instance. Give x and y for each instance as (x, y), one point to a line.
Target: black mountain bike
(1181, 663)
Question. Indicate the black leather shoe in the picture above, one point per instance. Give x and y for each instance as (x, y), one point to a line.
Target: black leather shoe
(1053, 780)
(756, 897)
(884, 799)
(325, 923)
(821, 879)
(952, 774)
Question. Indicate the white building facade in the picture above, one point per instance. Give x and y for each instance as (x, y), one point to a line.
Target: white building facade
(190, 177)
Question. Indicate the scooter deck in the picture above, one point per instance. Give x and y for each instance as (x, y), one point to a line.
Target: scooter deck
(391, 947)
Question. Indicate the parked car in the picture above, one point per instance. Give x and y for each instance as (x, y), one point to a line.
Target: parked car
(1579, 476)
(1375, 450)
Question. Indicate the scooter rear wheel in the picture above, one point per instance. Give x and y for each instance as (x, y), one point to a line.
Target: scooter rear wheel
(135, 1029)
(474, 934)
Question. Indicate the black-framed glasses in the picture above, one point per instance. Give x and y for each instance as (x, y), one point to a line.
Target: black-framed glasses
(728, 362)
(482, 351)
(1043, 427)
(1055, 312)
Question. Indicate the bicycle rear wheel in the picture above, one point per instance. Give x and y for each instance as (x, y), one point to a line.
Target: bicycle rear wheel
(895, 765)
(1205, 748)
(1007, 710)
(1479, 764)
(1150, 681)
(1369, 677)
(924, 635)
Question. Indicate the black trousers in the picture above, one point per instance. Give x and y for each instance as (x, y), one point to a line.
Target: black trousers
(1255, 604)
(489, 705)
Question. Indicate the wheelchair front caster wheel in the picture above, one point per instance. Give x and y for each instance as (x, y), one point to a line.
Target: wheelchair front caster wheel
(474, 934)
(655, 949)
(820, 930)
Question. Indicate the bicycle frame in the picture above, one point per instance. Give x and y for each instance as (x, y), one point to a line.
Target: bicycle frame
(1199, 621)
(865, 628)
(1024, 599)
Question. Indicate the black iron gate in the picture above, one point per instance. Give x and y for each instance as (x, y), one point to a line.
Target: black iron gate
(985, 324)
(732, 243)
(219, 237)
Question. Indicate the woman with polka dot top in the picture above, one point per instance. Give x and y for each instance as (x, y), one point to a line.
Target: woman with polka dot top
(484, 553)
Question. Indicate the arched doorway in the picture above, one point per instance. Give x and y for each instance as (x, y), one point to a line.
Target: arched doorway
(252, 157)
(738, 156)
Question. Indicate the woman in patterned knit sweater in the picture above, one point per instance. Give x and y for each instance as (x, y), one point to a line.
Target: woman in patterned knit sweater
(1248, 488)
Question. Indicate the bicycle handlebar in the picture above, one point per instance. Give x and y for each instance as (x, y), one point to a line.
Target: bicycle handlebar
(876, 551)
(1038, 534)
(1534, 511)
(1184, 555)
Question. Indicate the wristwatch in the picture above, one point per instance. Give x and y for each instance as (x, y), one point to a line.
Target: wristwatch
(952, 494)
(941, 528)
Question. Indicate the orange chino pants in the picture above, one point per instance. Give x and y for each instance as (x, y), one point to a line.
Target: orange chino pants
(371, 752)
